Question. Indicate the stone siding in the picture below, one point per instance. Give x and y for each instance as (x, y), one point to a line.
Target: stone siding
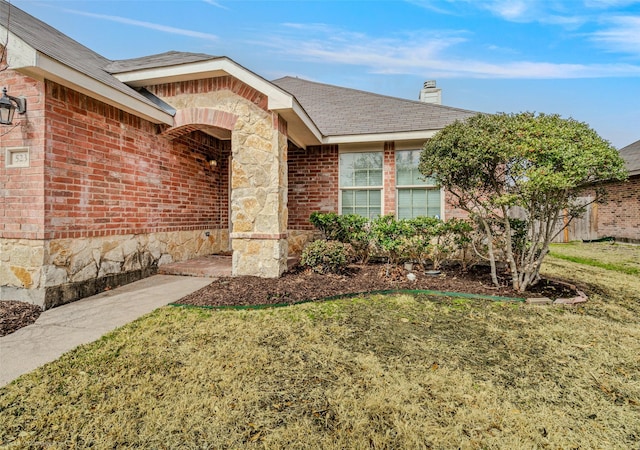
(258, 164)
(50, 273)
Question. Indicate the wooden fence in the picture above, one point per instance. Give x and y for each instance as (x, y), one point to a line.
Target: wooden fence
(584, 228)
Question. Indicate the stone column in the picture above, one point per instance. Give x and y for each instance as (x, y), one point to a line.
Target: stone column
(259, 196)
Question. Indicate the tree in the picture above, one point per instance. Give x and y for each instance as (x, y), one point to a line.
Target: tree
(539, 165)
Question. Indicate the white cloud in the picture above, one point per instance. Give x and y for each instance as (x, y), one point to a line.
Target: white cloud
(510, 9)
(622, 36)
(142, 24)
(607, 4)
(215, 3)
(419, 53)
(520, 11)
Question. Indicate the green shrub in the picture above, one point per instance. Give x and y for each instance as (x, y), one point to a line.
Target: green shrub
(325, 256)
(424, 240)
(350, 229)
(330, 224)
(390, 237)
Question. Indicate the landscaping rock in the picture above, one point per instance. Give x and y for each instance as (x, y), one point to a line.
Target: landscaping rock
(539, 301)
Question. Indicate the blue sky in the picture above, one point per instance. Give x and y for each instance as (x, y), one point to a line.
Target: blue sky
(577, 58)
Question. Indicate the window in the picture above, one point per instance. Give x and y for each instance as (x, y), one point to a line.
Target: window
(361, 183)
(415, 195)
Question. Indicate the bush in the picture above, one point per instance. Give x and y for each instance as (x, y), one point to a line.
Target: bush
(350, 229)
(423, 239)
(325, 256)
(390, 237)
(330, 224)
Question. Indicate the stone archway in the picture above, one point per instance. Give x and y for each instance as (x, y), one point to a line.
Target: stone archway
(258, 199)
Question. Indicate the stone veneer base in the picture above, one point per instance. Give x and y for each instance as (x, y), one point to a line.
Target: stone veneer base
(67, 293)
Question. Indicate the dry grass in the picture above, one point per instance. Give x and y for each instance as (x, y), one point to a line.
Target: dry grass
(622, 258)
(379, 372)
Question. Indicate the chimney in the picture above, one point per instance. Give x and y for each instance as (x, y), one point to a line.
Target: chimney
(431, 94)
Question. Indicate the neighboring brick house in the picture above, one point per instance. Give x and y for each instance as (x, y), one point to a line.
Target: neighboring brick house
(118, 167)
(619, 217)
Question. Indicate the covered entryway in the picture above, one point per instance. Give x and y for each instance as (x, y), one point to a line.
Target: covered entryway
(246, 154)
(218, 97)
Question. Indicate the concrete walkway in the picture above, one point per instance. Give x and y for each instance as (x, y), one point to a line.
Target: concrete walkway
(61, 329)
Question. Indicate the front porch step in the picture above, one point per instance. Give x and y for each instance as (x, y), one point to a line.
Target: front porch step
(210, 266)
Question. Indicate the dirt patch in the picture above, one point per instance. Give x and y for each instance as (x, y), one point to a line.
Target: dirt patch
(304, 285)
(15, 315)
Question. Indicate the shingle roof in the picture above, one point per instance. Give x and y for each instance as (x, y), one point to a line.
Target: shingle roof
(171, 58)
(62, 48)
(339, 111)
(631, 156)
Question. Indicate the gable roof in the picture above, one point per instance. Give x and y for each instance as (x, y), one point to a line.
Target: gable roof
(171, 58)
(339, 111)
(48, 50)
(631, 156)
(316, 113)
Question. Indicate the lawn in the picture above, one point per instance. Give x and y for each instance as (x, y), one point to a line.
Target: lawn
(394, 371)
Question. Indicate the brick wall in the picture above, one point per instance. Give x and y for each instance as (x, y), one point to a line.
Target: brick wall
(22, 188)
(620, 216)
(226, 83)
(109, 172)
(389, 178)
(314, 184)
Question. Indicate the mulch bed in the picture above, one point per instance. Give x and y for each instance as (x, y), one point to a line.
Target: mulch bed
(15, 315)
(300, 285)
(304, 285)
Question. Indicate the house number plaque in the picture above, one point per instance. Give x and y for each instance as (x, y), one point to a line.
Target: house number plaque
(17, 157)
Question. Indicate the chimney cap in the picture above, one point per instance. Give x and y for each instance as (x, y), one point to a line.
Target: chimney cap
(430, 84)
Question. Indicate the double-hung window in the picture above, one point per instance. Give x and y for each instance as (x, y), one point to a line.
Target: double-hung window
(416, 196)
(361, 183)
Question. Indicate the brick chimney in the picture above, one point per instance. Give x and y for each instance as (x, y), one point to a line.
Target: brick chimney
(430, 94)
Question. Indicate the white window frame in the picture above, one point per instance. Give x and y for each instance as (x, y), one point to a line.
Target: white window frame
(361, 149)
(425, 187)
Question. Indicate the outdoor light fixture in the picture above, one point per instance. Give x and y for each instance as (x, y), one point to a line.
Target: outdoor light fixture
(8, 106)
(213, 163)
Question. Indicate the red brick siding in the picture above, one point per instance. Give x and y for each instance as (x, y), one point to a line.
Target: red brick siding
(451, 212)
(389, 178)
(108, 172)
(313, 183)
(620, 216)
(22, 188)
(211, 85)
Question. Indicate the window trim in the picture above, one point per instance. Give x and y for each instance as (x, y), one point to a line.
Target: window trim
(381, 188)
(424, 187)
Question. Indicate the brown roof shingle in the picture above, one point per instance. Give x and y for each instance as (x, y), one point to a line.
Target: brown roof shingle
(62, 48)
(631, 156)
(339, 111)
(171, 58)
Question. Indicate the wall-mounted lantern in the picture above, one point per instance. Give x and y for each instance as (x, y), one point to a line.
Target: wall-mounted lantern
(9, 105)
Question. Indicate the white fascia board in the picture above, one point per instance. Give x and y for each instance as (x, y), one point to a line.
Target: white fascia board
(19, 53)
(278, 99)
(87, 85)
(380, 137)
(302, 114)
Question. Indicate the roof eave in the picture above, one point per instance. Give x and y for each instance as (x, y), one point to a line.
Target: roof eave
(302, 129)
(47, 68)
(380, 137)
(278, 99)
